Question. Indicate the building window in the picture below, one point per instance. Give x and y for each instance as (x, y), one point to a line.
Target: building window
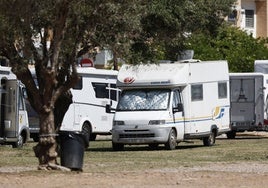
(249, 18)
(232, 17)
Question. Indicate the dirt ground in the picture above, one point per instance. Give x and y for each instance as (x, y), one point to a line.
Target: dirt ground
(239, 175)
(213, 175)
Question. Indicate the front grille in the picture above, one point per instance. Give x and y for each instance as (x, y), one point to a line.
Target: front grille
(148, 135)
(140, 130)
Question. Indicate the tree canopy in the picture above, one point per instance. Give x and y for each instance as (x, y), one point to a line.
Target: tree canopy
(169, 22)
(51, 34)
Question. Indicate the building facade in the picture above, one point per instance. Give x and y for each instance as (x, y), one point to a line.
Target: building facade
(251, 16)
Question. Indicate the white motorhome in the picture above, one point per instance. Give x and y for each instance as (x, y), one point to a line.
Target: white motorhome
(247, 103)
(168, 103)
(14, 127)
(95, 90)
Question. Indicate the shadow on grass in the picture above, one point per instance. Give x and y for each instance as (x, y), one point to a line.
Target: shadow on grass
(141, 148)
(249, 137)
(190, 144)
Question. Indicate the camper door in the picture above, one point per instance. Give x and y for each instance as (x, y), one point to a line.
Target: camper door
(178, 115)
(242, 100)
(9, 108)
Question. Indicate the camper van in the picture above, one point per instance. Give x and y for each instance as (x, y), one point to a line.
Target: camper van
(168, 103)
(95, 89)
(14, 127)
(247, 103)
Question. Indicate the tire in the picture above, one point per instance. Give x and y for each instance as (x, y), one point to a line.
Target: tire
(118, 147)
(153, 146)
(19, 143)
(35, 137)
(92, 137)
(231, 134)
(172, 140)
(86, 133)
(210, 140)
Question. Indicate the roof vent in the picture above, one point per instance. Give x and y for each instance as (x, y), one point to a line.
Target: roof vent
(186, 55)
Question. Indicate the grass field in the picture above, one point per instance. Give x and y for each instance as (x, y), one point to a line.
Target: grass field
(100, 157)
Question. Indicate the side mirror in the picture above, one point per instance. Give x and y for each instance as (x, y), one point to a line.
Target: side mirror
(108, 108)
(24, 93)
(179, 108)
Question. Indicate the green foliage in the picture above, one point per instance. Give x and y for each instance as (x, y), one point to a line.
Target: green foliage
(138, 31)
(168, 23)
(231, 44)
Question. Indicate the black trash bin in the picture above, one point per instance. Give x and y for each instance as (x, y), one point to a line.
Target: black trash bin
(72, 147)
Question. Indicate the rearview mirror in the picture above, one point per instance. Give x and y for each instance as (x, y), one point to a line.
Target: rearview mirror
(109, 109)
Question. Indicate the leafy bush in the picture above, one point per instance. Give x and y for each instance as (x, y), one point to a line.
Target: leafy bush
(231, 44)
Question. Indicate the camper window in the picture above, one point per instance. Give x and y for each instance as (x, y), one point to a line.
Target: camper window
(222, 90)
(21, 106)
(242, 90)
(79, 84)
(197, 92)
(113, 92)
(176, 103)
(105, 90)
(100, 90)
(176, 99)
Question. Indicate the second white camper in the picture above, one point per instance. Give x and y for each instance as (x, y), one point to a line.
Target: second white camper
(171, 102)
(95, 89)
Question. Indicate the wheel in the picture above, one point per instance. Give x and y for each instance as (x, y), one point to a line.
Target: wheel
(153, 146)
(210, 140)
(172, 140)
(35, 137)
(19, 142)
(231, 134)
(92, 137)
(118, 147)
(86, 132)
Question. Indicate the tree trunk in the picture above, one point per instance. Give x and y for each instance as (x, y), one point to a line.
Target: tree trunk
(46, 149)
(61, 107)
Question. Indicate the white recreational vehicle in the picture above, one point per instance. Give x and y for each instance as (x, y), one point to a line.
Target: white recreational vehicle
(95, 89)
(14, 127)
(168, 103)
(247, 102)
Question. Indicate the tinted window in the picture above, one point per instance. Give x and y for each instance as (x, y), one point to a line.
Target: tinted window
(100, 90)
(79, 84)
(222, 90)
(197, 92)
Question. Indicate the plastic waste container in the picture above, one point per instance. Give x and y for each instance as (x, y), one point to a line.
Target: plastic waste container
(72, 148)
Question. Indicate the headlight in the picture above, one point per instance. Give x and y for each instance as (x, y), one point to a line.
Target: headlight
(118, 123)
(157, 122)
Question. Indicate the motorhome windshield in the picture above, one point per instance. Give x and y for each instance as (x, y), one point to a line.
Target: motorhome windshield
(144, 99)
